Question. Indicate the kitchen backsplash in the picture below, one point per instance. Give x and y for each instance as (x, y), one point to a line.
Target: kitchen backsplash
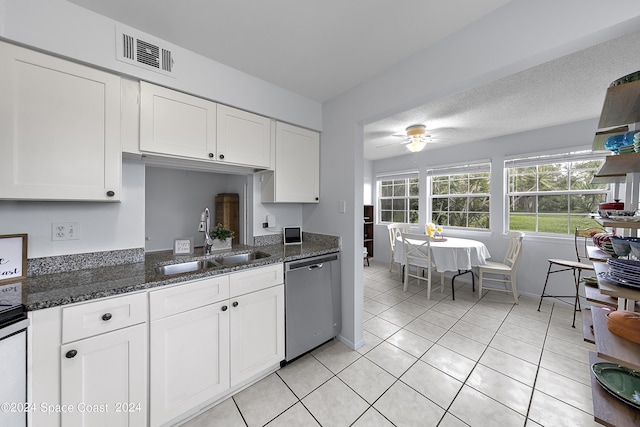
(74, 262)
(276, 239)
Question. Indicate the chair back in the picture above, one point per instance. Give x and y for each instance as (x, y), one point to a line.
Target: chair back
(583, 237)
(514, 249)
(395, 231)
(417, 249)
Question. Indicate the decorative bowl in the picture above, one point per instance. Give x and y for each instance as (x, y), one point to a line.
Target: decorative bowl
(608, 248)
(635, 248)
(620, 245)
(600, 238)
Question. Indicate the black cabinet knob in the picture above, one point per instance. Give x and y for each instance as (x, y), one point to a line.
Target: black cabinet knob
(71, 354)
(221, 156)
(317, 198)
(224, 308)
(211, 155)
(235, 303)
(111, 193)
(106, 316)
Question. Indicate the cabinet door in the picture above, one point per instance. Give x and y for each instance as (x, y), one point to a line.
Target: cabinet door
(189, 360)
(257, 332)
(176, 124)
(104, 379)
(243, 138)
(297, 165)
(59, 129)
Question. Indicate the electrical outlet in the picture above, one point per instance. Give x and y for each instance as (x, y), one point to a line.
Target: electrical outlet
(65, 231)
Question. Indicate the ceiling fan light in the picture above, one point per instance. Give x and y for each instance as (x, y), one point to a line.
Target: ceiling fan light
(416, 145)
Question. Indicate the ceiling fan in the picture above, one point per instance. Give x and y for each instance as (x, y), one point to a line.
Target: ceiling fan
(417, 136)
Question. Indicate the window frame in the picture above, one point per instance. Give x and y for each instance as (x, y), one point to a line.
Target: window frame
(567, 159)
(480, 166)
(407, 176)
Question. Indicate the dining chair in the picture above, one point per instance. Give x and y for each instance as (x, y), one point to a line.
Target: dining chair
(395, 230)
(417, 254)
(503, 272)
(581, 238)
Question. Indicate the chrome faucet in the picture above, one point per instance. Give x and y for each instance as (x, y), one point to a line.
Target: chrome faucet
(204, 226)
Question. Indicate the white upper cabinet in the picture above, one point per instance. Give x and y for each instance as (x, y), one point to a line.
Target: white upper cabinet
(176, 124)
(296, 175)
(59, 129)
(243, 138)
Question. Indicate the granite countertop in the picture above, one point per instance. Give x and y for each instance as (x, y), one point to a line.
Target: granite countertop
(59, 288)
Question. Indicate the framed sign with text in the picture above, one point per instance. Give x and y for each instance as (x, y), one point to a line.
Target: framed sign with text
(183, 246)
(13, 257)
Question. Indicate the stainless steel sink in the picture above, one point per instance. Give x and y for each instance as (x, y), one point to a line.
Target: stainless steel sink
(240, 258)
(185, 267)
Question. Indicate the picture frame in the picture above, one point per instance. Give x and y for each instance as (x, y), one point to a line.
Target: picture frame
(13, 257)
(183, 246)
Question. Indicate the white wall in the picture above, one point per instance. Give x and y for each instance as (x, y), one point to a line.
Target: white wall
(174, 200)
(517, 36)
(103, 226)
(536, 250)
(62, 28)
(66, 29)
(285, 213)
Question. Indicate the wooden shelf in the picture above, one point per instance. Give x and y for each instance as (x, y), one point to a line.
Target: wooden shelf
(621, 105)
(611, 347)
(594, 295)
(596, 254)
(617, 166)
(608, 410)
(606, 222)
(609, 288)
(587, 326)
(369, 223)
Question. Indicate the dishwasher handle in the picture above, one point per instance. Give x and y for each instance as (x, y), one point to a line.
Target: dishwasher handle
(311, 263)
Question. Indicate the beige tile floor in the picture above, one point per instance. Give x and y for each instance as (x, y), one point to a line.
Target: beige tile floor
(444, 363)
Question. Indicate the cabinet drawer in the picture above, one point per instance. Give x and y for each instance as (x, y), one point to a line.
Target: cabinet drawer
(85, 320)
(256, 279)
(177, 299)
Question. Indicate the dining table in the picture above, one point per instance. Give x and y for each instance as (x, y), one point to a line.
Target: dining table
(451, 254)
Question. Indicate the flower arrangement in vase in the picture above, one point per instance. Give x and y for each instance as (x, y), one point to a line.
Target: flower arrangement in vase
(221, 237)
(433, 231)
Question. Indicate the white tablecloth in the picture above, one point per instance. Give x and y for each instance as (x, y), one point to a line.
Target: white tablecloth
(451, 255)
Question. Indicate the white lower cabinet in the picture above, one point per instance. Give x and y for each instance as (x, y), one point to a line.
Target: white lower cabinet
(219, 338)
(104, 379)
(257, 332)
(157, 357)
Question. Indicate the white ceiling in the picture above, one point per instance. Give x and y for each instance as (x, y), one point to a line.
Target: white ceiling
(320, 49)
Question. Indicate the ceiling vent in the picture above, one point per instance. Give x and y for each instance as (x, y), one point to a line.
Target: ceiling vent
(143, 51)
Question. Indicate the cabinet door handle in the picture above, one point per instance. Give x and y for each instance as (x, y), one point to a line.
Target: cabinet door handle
(110, 193)
(71, 354)
(224, 308)
(106, 316)
(221, 156)
(211, 155)
(235, 303)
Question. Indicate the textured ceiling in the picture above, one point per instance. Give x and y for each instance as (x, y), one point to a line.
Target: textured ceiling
(561, 91)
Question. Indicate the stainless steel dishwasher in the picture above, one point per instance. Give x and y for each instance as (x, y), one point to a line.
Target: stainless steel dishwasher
(312, 303)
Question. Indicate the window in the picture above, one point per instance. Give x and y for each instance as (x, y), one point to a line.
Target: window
(553, 194)
(460, 196)
(399, 198)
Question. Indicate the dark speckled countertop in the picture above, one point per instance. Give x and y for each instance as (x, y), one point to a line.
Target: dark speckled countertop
(50, 290)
